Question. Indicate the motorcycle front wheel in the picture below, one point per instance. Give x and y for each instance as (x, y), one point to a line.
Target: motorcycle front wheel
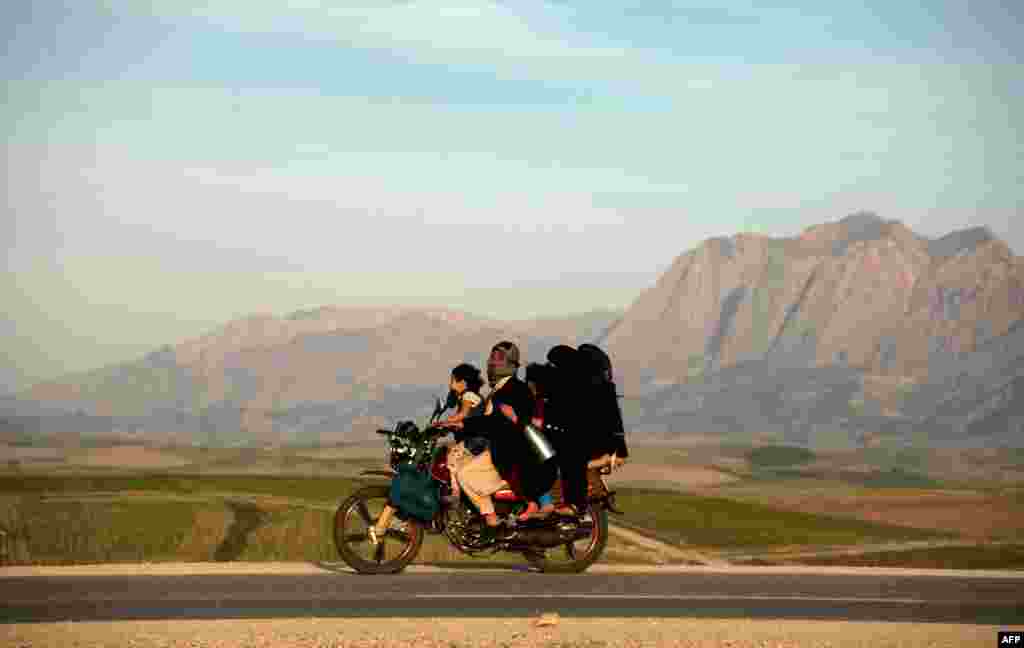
(396, 549)
(575, 557)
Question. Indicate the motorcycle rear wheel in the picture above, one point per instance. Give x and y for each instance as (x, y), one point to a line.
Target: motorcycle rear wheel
(396, 549)
(575, 557)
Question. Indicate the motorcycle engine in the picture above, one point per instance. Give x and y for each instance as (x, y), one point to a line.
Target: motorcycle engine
(462, 526)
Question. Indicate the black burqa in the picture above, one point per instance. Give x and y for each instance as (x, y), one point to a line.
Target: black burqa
(606, 430)
(580, 399)
(563, 395)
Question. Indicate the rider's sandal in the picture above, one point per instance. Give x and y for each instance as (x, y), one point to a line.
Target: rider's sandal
(541, 513)
(530, 512)
(545, 512)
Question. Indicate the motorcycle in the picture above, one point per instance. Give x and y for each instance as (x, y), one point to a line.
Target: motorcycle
(380, 528)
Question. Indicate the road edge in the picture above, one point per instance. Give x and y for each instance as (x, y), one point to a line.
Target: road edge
(301, 568)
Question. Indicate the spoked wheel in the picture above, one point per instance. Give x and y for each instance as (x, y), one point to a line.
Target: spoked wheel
(575, 557)
(395, 549)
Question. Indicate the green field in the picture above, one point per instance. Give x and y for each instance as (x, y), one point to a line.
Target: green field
(61, 520)
(277, 504)
(889, 478)
(317, 489)
(88, 519)
(64, 520)
(974, 557)
(721, 523)
(772, 456)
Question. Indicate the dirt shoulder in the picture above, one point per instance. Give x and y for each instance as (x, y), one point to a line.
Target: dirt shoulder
(507, 633)
(663, 550)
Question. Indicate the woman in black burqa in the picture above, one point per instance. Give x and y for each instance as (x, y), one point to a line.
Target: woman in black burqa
(583, 419)
(608, 430)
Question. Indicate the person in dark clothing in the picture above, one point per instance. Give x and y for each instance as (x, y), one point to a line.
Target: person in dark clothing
(583, 418)
(604, 416)
(538, 489)
(508, 408)
(566, 424)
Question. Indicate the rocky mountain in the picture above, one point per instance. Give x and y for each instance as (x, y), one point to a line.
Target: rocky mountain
(853, 331)
(857, 327)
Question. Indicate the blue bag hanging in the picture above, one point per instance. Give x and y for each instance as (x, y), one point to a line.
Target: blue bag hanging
(415, 493)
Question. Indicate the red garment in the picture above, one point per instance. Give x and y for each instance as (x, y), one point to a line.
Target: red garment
(513, 479)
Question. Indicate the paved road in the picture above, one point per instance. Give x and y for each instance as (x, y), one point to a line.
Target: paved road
(676, 593)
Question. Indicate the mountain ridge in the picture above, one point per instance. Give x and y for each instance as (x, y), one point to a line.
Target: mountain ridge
(859, 327)
(815, 283)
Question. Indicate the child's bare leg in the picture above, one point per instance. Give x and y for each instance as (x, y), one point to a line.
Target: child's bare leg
(479, 480)
(455, 456)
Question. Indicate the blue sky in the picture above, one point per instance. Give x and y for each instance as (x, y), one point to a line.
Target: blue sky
(172, 164)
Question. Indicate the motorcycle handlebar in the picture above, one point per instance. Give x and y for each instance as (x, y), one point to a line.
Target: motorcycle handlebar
(436, 429)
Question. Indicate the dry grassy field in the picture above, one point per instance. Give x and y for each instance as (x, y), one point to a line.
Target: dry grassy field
(716, 498)
(974, 497)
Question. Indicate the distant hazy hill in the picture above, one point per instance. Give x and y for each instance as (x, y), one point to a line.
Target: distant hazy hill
(852, 331)
(312, 375)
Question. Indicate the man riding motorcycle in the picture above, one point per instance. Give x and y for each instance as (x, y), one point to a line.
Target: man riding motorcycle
(502, 480)
(507, 462)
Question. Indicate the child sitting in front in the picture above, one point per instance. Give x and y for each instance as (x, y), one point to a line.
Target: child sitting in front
(465, 384)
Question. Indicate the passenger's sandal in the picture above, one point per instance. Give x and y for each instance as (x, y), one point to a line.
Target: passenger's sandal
(534, 513)
(529, 513)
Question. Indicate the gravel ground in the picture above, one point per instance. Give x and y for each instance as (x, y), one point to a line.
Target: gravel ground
(547, 631)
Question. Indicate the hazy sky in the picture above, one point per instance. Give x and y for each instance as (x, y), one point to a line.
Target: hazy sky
(172, 164)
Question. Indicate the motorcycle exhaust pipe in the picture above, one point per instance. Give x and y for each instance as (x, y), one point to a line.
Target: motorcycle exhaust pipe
(550, 537)
(547, 538)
